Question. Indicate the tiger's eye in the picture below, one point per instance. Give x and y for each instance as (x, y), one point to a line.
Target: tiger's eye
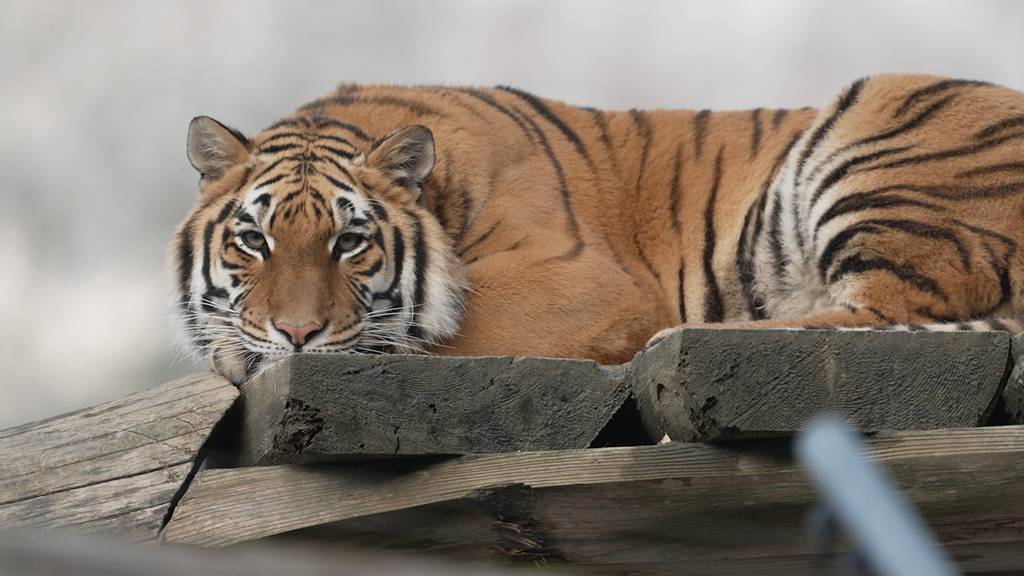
(349, 241)
(254, 240)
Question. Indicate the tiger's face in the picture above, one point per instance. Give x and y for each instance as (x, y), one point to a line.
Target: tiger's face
(310, 238)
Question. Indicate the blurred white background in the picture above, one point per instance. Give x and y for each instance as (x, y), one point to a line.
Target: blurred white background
(95, 98)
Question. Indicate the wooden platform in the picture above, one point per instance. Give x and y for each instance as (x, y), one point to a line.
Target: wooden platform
(496, 459)
(667, 505)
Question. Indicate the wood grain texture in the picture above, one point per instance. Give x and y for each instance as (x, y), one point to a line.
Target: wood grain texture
(721, 384)
(628, 507)
(311, 408)
(112, 468)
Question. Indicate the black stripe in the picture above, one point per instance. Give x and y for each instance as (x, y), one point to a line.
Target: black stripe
(338, 183)
(336, 139)
(398, 257)
(700, 128)
(373, 269)
(290, 122)
(603, 135)
(1000, 126)
(1000, 264)
(881, 316)
(674, 186)
(379, 211)
(950, 153)
(910, 125)
(186, 255)
(713, 311)
(277, 148)
(244, 217)
(682, 295)
(271, 180)
(342, 203)
(541, 108)
(643, 126)
(325, 122)
(870, 200)
(412, 106)
(856, 264)
(838, 242)
(779, 259)
(563, 188)
(931, 90)
(993, 169)
(843, 169)
(225, 211)
(514, 246)
(754, 218)
(283, 136)
(777, 117)
(643, 255)
(755, 132)
(344, 154)
(420, 271)
(998, 324)
(439, 202)
(275, 164)
(490, 101)
(848, 99)
(487, 233)
(874, 226)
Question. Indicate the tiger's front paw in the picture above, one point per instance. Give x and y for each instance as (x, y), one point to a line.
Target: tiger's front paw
(662, 335)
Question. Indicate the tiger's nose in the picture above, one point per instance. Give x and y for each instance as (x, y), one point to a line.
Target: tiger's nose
(298, 333)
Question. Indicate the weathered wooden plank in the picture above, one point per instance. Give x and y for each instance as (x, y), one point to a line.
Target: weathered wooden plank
(112, 468)
(651, 505)
(718, 384)
(318, 407)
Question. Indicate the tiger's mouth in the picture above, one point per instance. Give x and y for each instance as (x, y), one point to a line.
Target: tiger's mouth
(239, 349)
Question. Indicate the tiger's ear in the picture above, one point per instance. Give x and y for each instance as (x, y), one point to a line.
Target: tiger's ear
(406, 156)
(213, 147)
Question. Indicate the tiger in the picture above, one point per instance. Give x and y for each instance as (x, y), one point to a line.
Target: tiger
(474, 221)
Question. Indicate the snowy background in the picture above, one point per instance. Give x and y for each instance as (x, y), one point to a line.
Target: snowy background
(95, 98)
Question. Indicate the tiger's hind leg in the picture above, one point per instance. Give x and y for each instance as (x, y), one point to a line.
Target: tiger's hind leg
(900, 207)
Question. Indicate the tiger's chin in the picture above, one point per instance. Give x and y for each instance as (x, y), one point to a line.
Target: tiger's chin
(238, 364)
(233, 362)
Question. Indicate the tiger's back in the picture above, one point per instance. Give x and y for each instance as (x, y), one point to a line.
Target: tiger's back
(581, 233)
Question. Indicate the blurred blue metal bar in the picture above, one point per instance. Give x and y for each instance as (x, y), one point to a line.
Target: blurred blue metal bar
(886, 530)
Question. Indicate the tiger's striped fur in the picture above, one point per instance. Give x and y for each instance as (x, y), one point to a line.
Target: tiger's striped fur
(539, 228)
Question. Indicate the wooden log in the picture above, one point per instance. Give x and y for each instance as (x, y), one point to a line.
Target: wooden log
(321, 407)
(723, 384)
(114, 468)
(645, 508)
(700, 384)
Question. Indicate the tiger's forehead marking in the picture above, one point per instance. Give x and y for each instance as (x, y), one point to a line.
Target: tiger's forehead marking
(305, 174)
(317, 197)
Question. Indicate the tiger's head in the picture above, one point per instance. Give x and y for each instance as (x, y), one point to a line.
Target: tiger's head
(310, 237)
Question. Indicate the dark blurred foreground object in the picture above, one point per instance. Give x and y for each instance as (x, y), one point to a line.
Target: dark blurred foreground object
(134, 467)
(91, 556)
(888, 534)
